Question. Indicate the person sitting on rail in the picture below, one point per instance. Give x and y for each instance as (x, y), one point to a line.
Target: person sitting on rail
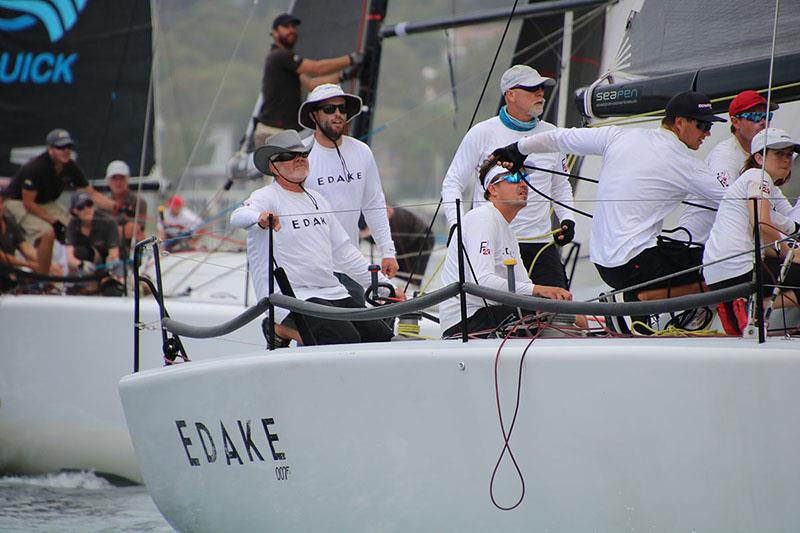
(130, 211)
(177, 225)
(309, 244)
(729, 253)
(92, 245)
(15, 251)
(489, 240)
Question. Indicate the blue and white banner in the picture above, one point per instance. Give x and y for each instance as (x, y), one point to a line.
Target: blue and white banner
(81, 65)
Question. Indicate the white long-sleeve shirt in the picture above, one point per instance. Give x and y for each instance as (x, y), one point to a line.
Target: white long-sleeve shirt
(725, 161)
(349, 195)
(732, 231)
(488, 240)
(644, 176)
(479, 142)
(310, 244)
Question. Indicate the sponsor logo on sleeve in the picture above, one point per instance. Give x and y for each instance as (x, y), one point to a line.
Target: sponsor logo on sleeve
(485, 250)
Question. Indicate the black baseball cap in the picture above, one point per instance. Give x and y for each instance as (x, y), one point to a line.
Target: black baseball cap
(284, 19)
(692, 105)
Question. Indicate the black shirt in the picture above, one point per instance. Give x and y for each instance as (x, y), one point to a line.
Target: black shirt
(280, 86)
(103, 236)
(39, 174)
(11, 236)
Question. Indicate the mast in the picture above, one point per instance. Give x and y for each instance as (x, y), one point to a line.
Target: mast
(368, 78)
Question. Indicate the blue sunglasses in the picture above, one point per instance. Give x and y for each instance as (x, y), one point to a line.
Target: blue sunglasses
(516, 177)
(755, 116)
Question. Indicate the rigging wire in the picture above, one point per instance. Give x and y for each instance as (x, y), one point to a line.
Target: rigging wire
(471, 122)
(213, 105)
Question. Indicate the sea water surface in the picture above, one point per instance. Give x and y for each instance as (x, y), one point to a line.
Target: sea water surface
(75, 501)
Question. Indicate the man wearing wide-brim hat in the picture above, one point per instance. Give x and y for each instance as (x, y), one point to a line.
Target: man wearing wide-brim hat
(286, 72)
(309, 244)
(344, 171)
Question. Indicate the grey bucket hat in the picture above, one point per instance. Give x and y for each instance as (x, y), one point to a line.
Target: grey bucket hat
(285, 141)
(323, 92)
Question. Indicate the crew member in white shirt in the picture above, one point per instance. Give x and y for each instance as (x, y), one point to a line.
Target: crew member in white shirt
(489, 240)
(523, 90)
(732, 232)
(344, 171)
(309, 244)
(178, 224)
(645, 175)
(748, 112)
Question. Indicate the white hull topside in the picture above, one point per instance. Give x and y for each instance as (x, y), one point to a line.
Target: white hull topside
(612, 435)
(62, 357)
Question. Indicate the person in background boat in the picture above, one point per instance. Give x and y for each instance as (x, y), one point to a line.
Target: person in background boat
(645, 175)
(344, 171)
(15, 251)
(748, 112)
(35, 189)
(309, 244)
(130, 211)
(409, 236)
(286, 72)
(489, 240)
(178, 224)
(523, 90)
(732, 232)
(92, 241)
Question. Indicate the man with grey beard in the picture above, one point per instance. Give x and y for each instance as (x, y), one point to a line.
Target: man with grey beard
(523, 89)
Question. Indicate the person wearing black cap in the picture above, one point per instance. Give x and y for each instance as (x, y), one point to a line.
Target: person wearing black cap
(33, 193)
(645, 175)
(286, 72)
(92, 240)
(309, 244)
(749, 115)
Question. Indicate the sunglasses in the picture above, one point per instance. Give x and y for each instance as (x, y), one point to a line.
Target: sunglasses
(330, 109)
(703, 125)
(66, 147)
(530, 89)
(755, 116)
(84, 205)
(516, 177)
(288, 156)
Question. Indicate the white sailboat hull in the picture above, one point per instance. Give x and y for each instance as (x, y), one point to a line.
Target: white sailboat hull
(62, 357)
(612, 435)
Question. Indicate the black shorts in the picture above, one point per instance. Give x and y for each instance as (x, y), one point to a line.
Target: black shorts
(667, 257)
(486, 318)
(548, 269)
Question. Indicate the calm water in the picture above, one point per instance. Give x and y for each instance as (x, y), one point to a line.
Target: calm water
(71, 502)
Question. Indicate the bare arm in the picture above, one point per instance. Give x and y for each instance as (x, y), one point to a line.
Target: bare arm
(321, 67)
(309, 84)
(100, 199)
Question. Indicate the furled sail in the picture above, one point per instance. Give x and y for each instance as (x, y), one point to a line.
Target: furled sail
(82, 65)
(718, 48)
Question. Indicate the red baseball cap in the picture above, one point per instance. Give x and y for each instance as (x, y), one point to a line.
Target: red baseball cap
(176, 202)
(748, 100)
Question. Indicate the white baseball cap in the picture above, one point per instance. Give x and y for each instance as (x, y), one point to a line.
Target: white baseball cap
(117, 168)
(523, 76)
(772, 138)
